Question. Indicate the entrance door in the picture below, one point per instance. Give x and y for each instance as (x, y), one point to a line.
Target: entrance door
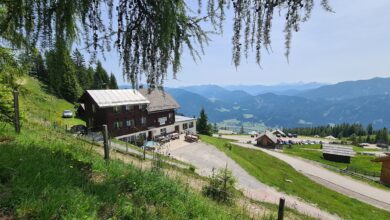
(150, 135)
(177, 128)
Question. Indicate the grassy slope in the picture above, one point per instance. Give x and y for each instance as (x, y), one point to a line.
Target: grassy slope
(39, 106)
(274, 172)
(48, 174)
(359, 162)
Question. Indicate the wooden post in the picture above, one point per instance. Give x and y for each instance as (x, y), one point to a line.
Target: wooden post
(16, 108)
(281, 209)
(105, 143)
(144, 152)
(127, 147)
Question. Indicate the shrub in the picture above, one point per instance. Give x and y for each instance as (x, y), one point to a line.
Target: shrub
(221, 187)
(192, 168)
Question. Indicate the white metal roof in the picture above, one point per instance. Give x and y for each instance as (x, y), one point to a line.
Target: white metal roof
(338, 150)
(117, 97)
(270, 135)
(179, 118)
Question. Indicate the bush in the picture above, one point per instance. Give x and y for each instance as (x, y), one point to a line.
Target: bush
(221, 187)
(140, 141)
(192, 168)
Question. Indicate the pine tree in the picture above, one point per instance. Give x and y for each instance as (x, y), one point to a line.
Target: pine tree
(368, 139)
(70, 88)
(202, 126)
(215, 128)
(242, 129)
(81, 71)
(61, 69)
(101, 78)
(113, 84)
(369, 129)
(40, 69)
(90, 77)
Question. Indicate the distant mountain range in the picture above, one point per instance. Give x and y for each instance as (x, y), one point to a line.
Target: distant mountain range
(363, 101)
(280, 89)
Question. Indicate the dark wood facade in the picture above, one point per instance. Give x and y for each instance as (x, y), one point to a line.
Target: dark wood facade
(153, 118)
(385, 173)
(117, 118)
(337, 158)
(266, 142)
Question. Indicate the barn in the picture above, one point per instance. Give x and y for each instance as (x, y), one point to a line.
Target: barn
(385, 174)
(267, 140)
(337, 153)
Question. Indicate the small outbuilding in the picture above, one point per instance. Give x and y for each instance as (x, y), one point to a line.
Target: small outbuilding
(385, 174)
(337, 153)
(253, 133)
(278, 132)
(330, 137)
(267, 140)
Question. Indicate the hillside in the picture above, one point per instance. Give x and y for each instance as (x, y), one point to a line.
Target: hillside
(279, 89)
(350, 89)
(363, 101)
(47, 173)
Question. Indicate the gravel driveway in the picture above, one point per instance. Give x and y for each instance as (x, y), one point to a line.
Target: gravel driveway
(206, 157)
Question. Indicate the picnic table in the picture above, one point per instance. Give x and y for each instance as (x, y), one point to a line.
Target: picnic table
(191, 138)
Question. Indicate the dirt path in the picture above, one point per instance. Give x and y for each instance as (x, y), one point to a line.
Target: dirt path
(337, 182)
(206, 158)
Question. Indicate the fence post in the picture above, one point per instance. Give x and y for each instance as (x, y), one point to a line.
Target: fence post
(105, 143)
(144, 152)
(281, 209)
(16, 109)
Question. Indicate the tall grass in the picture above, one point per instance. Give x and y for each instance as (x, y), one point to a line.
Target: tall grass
(46, 173)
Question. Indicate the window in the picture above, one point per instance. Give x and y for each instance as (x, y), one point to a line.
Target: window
(93, 108)
(142, 107)
(163, 131)
(162, 120)
(170, 116)
(129, 108)
(117, 109)
(143, 120)
(118, 124)
(130, 123)
(191, 124)
(185, 126)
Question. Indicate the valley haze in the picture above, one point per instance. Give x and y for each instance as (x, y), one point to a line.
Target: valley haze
(289, 105)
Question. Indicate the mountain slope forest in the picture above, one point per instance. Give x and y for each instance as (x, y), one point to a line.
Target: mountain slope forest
(363, 101)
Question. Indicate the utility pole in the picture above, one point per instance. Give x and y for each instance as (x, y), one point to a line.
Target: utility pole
(16, 109)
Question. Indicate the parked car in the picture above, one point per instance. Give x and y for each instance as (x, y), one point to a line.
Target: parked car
(67, 114)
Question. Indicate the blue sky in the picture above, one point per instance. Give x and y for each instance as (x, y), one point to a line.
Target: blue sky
(351, 44)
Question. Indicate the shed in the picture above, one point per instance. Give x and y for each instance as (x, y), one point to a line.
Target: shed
(330, 137)
(337, 153)
(385, 173)
(267, 139)
(279, 132)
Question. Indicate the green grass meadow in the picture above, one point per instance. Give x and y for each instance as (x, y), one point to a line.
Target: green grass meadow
(275, 172)
(46, 173)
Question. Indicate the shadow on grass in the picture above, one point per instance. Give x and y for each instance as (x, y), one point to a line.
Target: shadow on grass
(36, 182)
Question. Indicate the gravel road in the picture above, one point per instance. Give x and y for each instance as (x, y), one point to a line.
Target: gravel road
(337, 182)
(206, 158)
